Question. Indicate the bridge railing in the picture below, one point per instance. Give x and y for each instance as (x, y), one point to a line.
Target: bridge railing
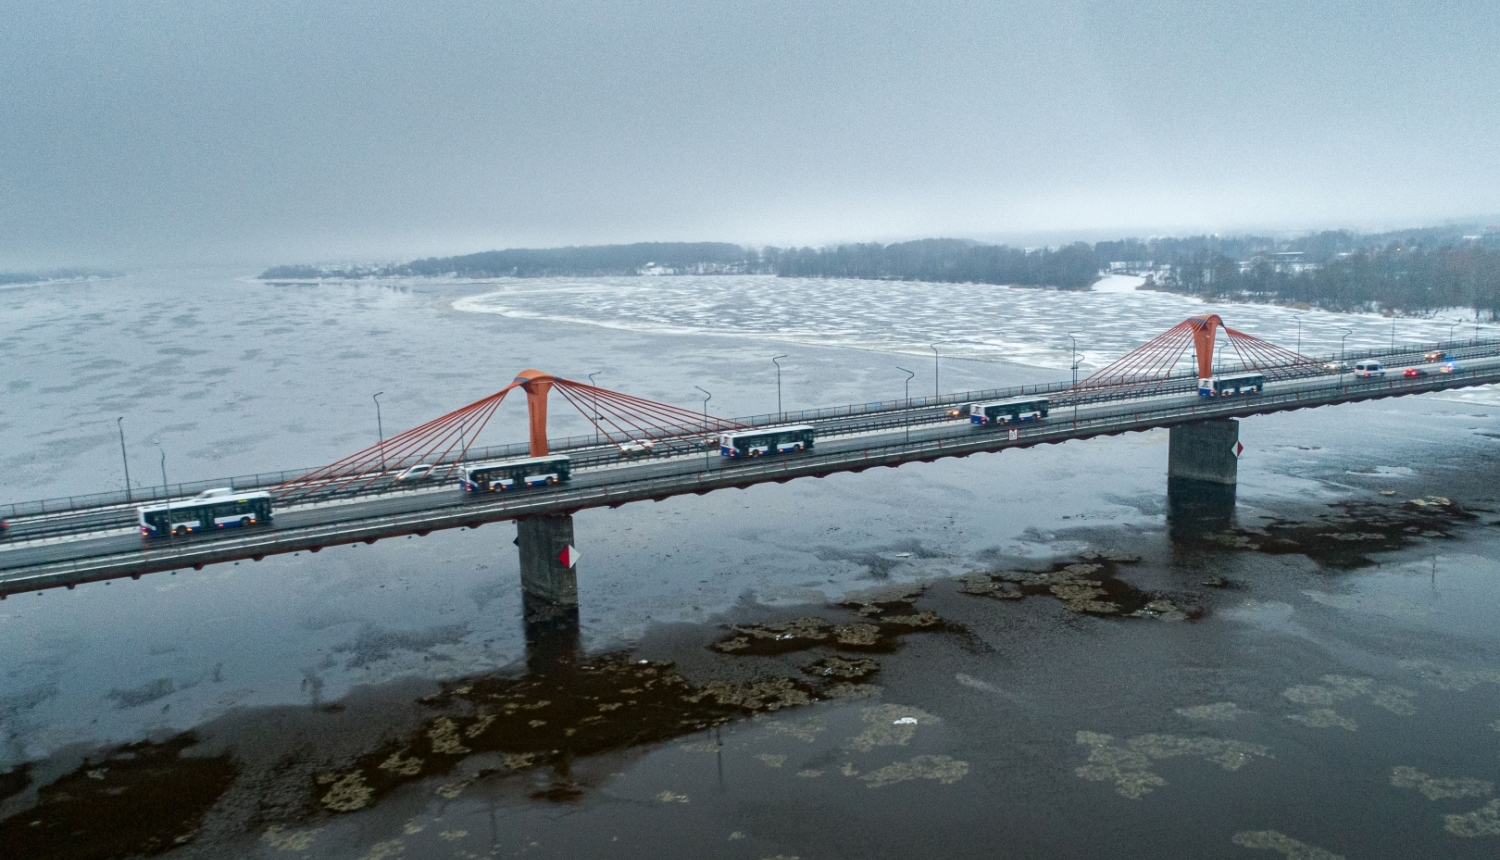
(1176, 383)
(814, 462)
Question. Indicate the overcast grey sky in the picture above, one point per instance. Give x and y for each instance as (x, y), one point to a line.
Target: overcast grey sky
(299, 131)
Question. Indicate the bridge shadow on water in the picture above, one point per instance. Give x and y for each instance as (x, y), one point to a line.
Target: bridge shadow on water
(1198, 508)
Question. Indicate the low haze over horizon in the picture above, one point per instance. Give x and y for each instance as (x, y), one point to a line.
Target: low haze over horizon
(260, 133)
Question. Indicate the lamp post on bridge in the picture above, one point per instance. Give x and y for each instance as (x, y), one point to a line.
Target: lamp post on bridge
(166, 494)
(1072, 335)
(120, 425)
(1451, 327)
(776, 360)
(708, 454)
(380, 428)
(907, 411)
(594, 395)
(1298, 318)
(937, 390)
(1342, 364)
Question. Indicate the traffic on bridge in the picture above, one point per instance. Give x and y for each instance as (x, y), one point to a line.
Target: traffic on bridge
(434, 476)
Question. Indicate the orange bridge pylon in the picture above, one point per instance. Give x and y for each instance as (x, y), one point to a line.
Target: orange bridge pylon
(1150, 365)
(444, 442)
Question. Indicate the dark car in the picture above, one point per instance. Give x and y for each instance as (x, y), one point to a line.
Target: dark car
(1413, 371)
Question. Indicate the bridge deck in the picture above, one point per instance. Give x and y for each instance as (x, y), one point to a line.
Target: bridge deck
(847, 443)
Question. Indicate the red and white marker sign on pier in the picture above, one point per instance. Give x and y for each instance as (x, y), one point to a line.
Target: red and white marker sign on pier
(569, 556)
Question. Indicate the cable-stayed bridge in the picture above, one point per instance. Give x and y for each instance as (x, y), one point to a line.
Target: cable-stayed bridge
(433, 476)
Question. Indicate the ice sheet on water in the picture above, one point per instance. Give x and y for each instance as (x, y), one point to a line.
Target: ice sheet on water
(975, 321)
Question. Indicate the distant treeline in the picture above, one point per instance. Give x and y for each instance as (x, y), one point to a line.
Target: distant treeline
(947, 260)
(1401, 279)
(1072, 267)
(585, 261)
(53, 275)
(1406, 271)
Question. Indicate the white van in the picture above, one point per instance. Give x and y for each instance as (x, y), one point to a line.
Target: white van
(1370, 368)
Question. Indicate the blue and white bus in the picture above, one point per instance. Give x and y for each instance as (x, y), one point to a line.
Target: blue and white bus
(510, 474)
(1228, 386)
(1008, 411)
(208, 511)
(771, 440)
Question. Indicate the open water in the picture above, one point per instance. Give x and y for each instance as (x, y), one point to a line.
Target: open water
(1028, 655)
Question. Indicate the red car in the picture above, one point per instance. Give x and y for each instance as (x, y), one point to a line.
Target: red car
(1413, 371)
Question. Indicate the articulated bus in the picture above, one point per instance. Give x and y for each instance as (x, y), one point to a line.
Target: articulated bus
(207, 511)
(509, 474)
(1008, 411)
(1228, 386)
(772, 440)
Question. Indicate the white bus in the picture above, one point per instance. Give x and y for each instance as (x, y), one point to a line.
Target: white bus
(1008, 411)
(772, 440)
(509, 474)
(1230, 385)
(208, 511)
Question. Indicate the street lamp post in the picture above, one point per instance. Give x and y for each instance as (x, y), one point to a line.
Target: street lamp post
(1451, 328)
(1342, 365)
(776, 360)
(707, 397)
(1074, 339)
(380, 428)
(166, 495)
(1393, 331)
(1298, 318)
(1072, 335)
(937, 390)
(120, 425)
(907, 411)
(595, 397)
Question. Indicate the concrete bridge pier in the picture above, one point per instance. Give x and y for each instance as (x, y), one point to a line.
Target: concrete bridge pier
(545, 578)
(1202, 471)
(1205, 451)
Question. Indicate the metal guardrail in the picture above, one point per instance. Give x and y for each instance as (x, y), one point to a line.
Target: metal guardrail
(1173, 384)
(693, 480)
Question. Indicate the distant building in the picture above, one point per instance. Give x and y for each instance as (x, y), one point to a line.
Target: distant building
(1288, 262)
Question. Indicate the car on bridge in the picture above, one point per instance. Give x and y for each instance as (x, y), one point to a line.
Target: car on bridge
(1449, 366)
(1435, 356)
(416, 473)
(1336, 367)
(1369, 369)
(1413, 372)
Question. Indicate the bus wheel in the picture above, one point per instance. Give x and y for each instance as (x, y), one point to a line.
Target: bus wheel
(245, 521)
(181, 530)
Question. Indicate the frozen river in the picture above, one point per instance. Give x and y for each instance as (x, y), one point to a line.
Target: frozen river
(1284, 713)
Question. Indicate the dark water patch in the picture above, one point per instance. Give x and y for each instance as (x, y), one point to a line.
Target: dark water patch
(1090, 585)
(14, 781)
(141, 800)
(1347, 534)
